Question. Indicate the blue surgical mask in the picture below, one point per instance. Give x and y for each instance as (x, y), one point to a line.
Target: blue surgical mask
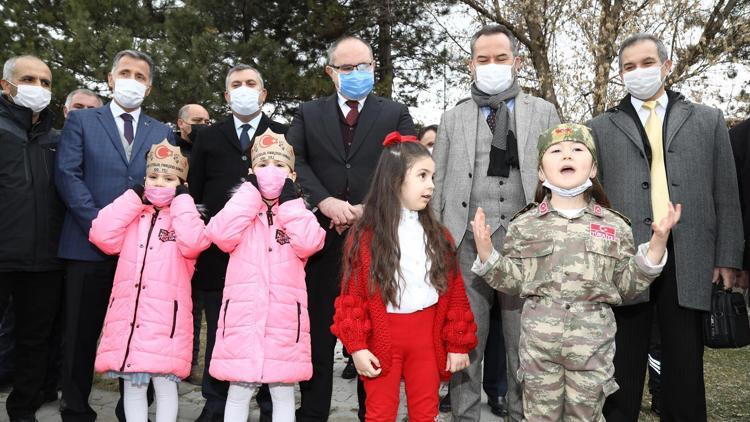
(356, 84)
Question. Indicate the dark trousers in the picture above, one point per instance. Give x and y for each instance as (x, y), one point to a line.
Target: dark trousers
(88, 286)
(7, 341)
(197, 323)
(654, 361)
(55, 358)
(683, 393)
(323, 287)
(35, 301)
(213, 390)
(494, 376)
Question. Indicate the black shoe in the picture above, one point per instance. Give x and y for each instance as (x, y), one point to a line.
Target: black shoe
(498, 406)
(208, 416)
(349, 372)
(445, 403)
(656, 405)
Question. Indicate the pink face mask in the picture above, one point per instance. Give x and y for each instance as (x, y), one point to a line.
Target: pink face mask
(158, 196)
(271, 180)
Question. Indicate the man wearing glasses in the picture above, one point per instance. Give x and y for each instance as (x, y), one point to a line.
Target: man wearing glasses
(337, 142)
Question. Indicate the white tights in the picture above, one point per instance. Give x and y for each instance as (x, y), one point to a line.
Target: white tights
(136, 404)
(238, 402)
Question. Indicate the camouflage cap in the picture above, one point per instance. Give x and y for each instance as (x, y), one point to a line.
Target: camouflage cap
(167, 158)
(272, 145)
(566, 132)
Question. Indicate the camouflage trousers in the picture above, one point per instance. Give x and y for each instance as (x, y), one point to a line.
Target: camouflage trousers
(566, 353)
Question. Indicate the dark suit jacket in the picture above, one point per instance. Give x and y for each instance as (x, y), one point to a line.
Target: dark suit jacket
(92, 170)
(740, 137)
(323, 167)
(700, 176)
(217, 165)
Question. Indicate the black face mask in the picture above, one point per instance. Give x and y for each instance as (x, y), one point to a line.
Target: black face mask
(194, 129)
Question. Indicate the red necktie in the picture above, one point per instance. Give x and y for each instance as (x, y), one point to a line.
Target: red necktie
(353, 115)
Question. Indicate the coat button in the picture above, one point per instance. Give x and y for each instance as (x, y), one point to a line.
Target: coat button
(469, 175)
(128, 365)
(244, 158)
(502, 183)
(140, 246)
(270, 249)
(242, 179)
(567, 306)
(143, 216)
(644, 185)
(348, 165)
(502, 216)
(647, 221)
(675, 184)
(463, 204)
(136, 286)
(502, 199)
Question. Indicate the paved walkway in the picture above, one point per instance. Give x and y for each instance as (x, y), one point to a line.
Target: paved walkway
(343, 405)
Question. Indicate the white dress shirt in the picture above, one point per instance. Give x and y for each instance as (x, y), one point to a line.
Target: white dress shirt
(643, 112)
(253, 125)
(415, 292)
(345, 108)
(117, 111)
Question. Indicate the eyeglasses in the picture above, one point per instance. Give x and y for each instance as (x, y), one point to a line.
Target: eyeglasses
(348, 68)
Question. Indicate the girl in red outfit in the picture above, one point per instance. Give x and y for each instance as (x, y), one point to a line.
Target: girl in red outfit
(403, 311)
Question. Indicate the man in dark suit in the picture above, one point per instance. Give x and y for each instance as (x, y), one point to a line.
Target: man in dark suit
(220, 160)
(657, 147)
(101, 154)
(337, 141)
(30, 221)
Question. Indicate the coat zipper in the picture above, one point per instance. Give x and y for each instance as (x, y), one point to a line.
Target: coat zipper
(174, 320)
(299, 317)
(138, 295)
(224, 321)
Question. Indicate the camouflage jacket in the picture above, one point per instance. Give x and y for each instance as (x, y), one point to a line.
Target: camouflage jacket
(587, 258)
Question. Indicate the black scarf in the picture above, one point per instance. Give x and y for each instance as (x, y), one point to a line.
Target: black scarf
(504, 151)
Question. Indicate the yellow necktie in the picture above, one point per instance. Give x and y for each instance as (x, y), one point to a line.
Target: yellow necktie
(659, 189)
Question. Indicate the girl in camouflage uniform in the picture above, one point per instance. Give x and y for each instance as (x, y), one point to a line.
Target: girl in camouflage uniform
(572, 258)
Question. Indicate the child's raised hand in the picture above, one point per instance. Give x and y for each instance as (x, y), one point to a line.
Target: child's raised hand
(663, 227)
(482, 235)
(366, 363)
(456, 362)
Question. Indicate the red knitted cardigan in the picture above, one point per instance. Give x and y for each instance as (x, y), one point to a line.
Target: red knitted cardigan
(360, 319)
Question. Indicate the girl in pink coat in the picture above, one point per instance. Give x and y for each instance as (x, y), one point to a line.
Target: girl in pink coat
(263, 335)
(148, 330)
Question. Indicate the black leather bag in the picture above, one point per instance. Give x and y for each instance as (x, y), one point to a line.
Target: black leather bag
(726, 326)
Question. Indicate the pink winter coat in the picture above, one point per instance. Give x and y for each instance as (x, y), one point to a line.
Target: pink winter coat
(149, 322)
(263, 333)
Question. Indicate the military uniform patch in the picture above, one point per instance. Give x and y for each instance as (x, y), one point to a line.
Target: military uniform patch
(603, 232)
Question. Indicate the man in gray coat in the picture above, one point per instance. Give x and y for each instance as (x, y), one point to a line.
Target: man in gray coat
(485, 156)
(654, 147)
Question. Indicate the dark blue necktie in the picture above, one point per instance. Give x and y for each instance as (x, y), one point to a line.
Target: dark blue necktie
(128, 127)
(244, 137)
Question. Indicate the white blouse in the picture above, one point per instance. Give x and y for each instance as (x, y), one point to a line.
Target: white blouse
(415, 292)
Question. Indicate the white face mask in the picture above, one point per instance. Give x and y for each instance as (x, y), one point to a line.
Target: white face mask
(129, 93)
(244, 100)
(568, 193)
(643, 82)
(493, 78)
(31, 96)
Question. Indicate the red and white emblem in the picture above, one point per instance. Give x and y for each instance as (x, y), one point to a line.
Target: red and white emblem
(598, 210)
(543, 208)
(603, 232)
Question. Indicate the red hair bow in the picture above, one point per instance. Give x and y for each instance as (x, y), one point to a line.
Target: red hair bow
(394, 138)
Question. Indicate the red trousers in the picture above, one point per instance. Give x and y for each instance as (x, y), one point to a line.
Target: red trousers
(414, 362)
